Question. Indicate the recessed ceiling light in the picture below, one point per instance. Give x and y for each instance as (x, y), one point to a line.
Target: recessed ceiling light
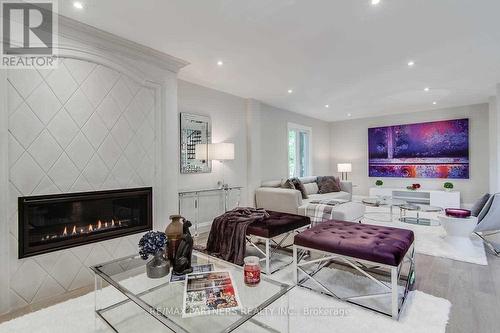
(349, 114)
(434, 103)
(78, 5)
(290, 91)
(327, 106)
(220, 63)
(375, 2)
(426, 89)
(411, 63)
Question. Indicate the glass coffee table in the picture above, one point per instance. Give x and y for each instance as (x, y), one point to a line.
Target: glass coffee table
(419, 208)
(126, 300)
(382, 202)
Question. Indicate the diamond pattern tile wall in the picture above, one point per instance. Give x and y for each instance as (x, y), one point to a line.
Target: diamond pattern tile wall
(80, 127)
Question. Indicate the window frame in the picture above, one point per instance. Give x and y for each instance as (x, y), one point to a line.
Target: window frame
(300, 128)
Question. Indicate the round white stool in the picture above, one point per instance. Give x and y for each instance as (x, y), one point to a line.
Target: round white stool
(458, 227)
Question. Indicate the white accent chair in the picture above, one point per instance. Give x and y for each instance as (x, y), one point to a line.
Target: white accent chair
(489, 223)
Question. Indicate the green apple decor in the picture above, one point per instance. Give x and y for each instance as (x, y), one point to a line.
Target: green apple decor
(448, 186)
(379, 183)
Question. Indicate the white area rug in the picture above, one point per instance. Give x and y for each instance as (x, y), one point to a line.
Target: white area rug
(311, 312)
(430, 240)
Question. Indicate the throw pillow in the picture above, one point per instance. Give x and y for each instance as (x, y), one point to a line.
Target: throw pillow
(478, 206)
(328, 184)
(311, 188)
(299, 186)
(288, 184)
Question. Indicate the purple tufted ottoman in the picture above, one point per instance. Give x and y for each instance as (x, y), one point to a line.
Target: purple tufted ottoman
(278, 225)
(361, 246)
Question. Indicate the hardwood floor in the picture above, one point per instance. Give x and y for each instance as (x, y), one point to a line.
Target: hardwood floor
(473, 290)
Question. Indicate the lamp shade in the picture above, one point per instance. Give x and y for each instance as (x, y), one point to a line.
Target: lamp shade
(344, 167)
(215, 151)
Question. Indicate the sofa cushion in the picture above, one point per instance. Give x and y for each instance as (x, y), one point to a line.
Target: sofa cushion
(309, 179)
(374, 243)
(328, 184)
(272, 183)
(311, 188)
(333, 195)
(277, 224)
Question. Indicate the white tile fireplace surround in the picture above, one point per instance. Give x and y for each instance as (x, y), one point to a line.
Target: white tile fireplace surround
(98, 121)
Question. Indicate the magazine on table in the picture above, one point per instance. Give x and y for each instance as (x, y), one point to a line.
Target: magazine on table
(196, 269)
(209, 293)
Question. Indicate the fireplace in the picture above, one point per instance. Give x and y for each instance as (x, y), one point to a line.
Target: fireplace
(54, 222)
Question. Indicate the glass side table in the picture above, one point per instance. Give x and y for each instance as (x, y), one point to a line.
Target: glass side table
(418, 208)
(382, 202)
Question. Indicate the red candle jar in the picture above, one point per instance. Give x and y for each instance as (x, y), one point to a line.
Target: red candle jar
(251, 270)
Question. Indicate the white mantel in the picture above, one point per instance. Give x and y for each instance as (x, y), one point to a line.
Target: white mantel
(127, 62)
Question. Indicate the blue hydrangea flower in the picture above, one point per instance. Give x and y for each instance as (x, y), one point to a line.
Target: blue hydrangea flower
(152, 243)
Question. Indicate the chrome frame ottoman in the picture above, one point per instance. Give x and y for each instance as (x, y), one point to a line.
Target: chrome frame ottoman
(278, 225)
(364, 247)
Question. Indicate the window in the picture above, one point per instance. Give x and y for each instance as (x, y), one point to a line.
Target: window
(299, 147)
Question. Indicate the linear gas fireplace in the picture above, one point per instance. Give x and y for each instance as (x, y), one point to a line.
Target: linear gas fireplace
(53, 222)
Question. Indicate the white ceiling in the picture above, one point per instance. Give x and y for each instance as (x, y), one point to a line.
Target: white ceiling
(345, 53)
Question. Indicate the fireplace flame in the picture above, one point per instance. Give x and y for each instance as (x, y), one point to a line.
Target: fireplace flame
(99, 224)
(105, 224)
(112, 223)
(65, 232)
(91, 228)
(73, 232)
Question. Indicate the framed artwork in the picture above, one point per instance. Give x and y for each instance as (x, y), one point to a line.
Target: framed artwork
(438, 149)
(194, 129)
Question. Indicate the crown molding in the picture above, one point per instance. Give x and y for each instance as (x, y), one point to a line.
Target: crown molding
(81, 32)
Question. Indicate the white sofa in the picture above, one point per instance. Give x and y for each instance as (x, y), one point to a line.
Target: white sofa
(272, 196)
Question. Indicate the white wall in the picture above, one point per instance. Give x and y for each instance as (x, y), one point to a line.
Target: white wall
(274, 142)
(228, 115)
(349, 143)
(95, 122)
(494, 140)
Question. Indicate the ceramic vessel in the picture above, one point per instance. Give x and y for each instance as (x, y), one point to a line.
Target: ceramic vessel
(174, 235)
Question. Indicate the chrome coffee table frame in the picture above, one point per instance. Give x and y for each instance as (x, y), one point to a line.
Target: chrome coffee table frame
(130, 262)
(419, 208)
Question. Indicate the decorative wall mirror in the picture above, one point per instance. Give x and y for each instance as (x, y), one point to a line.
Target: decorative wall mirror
(195, 129)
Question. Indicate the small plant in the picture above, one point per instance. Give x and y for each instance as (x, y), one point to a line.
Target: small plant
(152, 243)
(379, 182)
(448, 186)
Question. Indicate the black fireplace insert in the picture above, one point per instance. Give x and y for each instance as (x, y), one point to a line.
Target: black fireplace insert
(53, 222)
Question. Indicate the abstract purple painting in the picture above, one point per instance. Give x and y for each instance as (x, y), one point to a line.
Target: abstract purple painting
(438, 149)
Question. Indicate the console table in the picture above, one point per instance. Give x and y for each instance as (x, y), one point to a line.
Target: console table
(439, 198)
(201, 206)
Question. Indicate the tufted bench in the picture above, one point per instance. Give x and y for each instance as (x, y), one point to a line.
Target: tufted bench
(277, 225)
(360, 246)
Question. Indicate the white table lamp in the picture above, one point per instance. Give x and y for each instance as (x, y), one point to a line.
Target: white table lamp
(344, 168)
(222, 151)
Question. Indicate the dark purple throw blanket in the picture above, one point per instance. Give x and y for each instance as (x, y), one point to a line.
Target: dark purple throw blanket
(227, 235)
